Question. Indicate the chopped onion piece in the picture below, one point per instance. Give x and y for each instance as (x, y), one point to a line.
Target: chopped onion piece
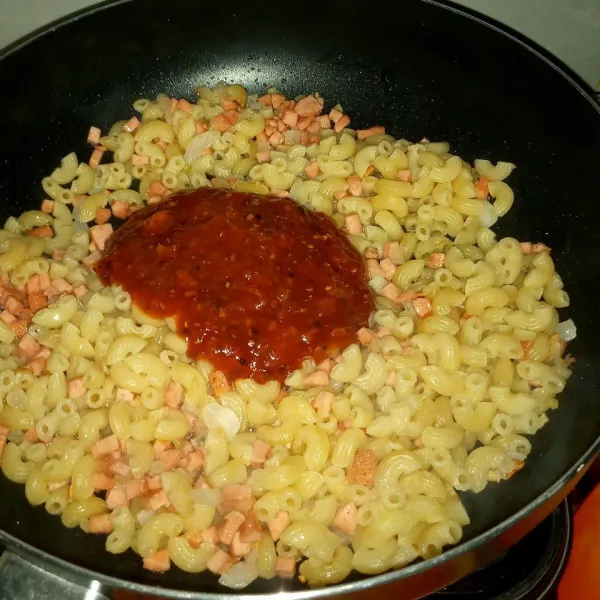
(199, 143)
(336, 386)
(378, 283)
(290, 137)
(228, 137)
(296, 189)
(165, 103)
(144, 515)
(567, 330)
(216, 416)
(251, 557)
(488, 216)
(79, 225)
(263, 147)
(241, 575)
(206, 496)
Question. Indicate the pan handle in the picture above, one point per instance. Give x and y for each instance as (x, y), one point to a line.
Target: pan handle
(21, 579)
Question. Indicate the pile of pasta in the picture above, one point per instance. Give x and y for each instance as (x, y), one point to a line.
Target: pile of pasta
(354, 463)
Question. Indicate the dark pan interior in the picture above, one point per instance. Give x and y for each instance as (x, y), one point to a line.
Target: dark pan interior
(420, 69)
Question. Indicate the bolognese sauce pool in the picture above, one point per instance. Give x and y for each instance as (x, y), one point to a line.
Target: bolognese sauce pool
(254, 284)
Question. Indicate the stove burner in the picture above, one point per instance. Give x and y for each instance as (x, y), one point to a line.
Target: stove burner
(528, 571)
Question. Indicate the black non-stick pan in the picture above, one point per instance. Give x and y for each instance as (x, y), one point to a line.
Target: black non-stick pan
(421, 68)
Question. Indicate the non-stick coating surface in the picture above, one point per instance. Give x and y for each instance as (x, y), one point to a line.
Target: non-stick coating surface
(416, 67)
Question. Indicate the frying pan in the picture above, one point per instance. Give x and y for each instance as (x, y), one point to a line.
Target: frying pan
(419, 67)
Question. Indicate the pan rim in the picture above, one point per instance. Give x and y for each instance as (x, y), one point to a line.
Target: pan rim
(15, 544)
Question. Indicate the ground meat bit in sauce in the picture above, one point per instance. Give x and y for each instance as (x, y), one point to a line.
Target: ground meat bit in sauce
(255, 284)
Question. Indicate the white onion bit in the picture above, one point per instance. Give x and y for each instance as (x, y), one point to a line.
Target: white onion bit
(290, 137)
(144, 516)
(216, 416)
(567, 330)
(199, 143)
(205, 496)
(78, 225)
(241, 575)
(488, 216)
(296, 189)
(263, 147)
(165, 103)
(378, 283)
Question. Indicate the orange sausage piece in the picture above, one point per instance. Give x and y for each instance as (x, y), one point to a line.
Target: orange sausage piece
(43, 232)
(388, 268)
(436, 260)
(361, 134)
(183, 105)
(278, 524)
(251, 529)
(481, 188)
(309, 106)
(103, 216)
(37, 301)
(220, 562)
(317, 378)
(131, 125)
(346, 518)
(115, 498)
(94, 136)
(158, 562)
(75, 389)
(100, 233)
(105, 445)
(285, 567)
(219, 382)
(260, 453)
(101, 524)
(237, 497)
(221, 123)
(362, 469)
(342, 123)
(239, 548)
(353, 224)
(121, 209)
(233, 521)
(422, 307)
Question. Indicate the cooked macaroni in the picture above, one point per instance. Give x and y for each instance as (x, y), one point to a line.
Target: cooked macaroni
(351, 464)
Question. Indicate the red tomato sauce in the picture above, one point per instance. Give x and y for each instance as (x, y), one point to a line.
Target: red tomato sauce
(255, 284)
